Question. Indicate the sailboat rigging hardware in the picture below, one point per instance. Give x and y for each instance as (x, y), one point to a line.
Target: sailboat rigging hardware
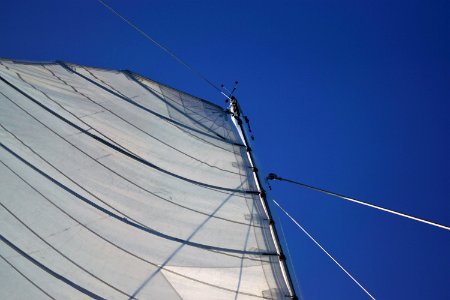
(228, 91)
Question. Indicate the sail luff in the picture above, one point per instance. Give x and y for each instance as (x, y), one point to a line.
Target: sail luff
(237, 120)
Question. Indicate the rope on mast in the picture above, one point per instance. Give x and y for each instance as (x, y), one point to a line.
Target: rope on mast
(164, 48)
(323, 249)
(273, 176)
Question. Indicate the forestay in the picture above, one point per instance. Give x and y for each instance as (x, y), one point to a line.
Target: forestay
(115, 186)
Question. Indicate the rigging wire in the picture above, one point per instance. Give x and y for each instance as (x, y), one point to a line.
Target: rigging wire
(164, 48)
(272, 176)
(323, 249)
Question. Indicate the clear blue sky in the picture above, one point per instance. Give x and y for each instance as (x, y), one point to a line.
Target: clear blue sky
(353, 96)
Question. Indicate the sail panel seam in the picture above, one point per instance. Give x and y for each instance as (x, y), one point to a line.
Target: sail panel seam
(118, 149)
(49, 271)
(173, 122)
(26, 277)
(124, 219)
(139, 257)
(112, 171)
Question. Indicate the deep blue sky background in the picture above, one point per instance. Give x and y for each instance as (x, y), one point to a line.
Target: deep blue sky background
(353, 96)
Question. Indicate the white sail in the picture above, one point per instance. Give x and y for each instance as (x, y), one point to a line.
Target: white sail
(114, 186)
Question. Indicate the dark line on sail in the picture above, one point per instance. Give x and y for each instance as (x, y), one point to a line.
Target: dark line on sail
(220, 138)
(26, 277)
(72, 114)
(101, 80)
(63, 255)
(124, 120)
(106, 167)
(207, 142)
(137, 256)
(173, 254)
(126, 220)
(46, 63)
(49, 271)
(112, 171)
(207, 103)
(161, 84)
(120, 150)
(131, 76)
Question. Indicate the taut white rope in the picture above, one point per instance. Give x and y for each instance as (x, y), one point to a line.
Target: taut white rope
(326, 252)
(275, 177)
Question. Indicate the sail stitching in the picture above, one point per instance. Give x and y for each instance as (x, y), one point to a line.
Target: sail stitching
(140, 106)
(118, 149)
(163, 97)
(49, 271)
(64, 255)
(126, 179)
(124, 219)
(143, 131)
(129, 252)
(26, 277)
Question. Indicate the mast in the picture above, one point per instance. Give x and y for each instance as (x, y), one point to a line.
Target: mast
(236, 116)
